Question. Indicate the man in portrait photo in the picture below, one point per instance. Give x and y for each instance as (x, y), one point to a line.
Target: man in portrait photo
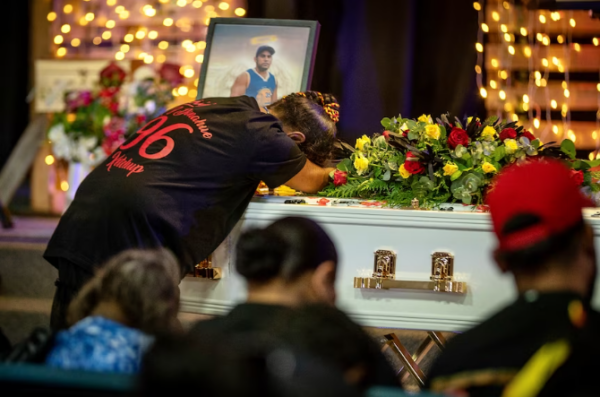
(258, 82)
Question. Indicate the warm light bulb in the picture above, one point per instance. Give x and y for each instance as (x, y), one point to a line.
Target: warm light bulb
(484, 26)
(511, 50)
(515, 117)
(66, 28)
(542, 19)
(61, 52)
(119, 9)
(89, 16)
(564, 110)
(495, 16)
(189, 73)
(110, 24)
(525, 107)
(507, 37)
(64, 186)
(555, 16)
(506, 5)
(595, 41)
(502, 94)
(564, 85)
(49, 159)
(545, 62)
(197, 4)
(186, 43)
(477, 69)
(106, 35)
(539, 36)
(193, 93)
(483, 92)
(119, 56)
(183, 90)
(503, 75)
(560, 39)
(142, 55)
(161, 58)
(553, 104)
(128, 38)
(543, 82)
(152, 35)
(555, 129)
(577, 47)
(199, 58)
(537, 75)
(240, 12)
(223, 6)
(508, 107)
(546, 40)
(124, 14)
(140, 34)
(566, 93)
(523, 32)
(111, 3)
(68, 8)
(51, 16)
(594, 135)
(555, 60)
(97, 40)
(163, 45)
(174, 92)
(58, 39)
(536, 123)
(196, 83)
(561, 68)
(148, 59)
(75, 42)
(168, 22)
(493, 84)
(598, 87)
(125, 48)
(572, 22)
(494, 62)
(477, 6)
(527, 51)
(504, 28)
(181, 3)
(525, 98)
(150, 12)
(201, 45)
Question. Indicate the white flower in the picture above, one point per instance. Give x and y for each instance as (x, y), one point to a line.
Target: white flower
(144, 73)
(150, 106)
(57, 132)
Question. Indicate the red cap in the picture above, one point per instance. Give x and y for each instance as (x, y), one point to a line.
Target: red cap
(542, 188)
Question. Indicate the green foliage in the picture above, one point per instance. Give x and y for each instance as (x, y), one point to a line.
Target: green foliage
(568, 147)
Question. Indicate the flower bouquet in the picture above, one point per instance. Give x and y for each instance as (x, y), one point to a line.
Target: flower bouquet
(443, 160)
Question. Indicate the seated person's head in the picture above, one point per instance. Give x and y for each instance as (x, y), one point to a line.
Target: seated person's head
(328, 334)
(309, 118)
(137, 288)
(291, 261)
(536, 210)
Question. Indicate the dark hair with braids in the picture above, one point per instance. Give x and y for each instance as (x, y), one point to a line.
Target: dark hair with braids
(314, 114)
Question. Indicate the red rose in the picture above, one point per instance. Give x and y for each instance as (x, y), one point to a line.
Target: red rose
(386, 135)
(112, 75)
(577, 177)
(413, 166)
(528, 135)
(457, 136)
(170, 73)
(140, 118)
(405, 133)
(340, 178)
(508, 133)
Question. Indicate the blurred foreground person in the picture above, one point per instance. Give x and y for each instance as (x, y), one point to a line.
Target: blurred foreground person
(287, 265)
(235, 366)
(545, 342)
(115, 317)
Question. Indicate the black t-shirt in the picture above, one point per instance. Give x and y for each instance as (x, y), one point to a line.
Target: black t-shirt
(485, 359)
(182, 182)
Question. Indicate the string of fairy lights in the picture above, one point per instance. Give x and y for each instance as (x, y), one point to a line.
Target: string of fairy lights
(150, 31)
(523, 48)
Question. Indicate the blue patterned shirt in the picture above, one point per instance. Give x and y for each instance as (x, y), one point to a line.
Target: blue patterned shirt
(98, 344)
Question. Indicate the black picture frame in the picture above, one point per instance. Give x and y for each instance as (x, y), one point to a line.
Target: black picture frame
(311, 48)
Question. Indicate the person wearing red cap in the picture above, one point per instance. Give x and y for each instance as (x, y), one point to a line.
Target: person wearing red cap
(541, 343)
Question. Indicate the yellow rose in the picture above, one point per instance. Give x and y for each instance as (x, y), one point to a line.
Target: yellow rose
(361, 163)
(488, 168)
(488, 132)
(450, 169)
(511, 146)
(424, 118)
(403, 172)
(361, 142)
(71, 117)
(432, 131)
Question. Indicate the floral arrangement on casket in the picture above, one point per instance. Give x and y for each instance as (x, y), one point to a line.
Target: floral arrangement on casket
(443, 161)
(95, 123)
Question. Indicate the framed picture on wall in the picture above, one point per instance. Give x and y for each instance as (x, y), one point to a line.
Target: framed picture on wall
(262, 58)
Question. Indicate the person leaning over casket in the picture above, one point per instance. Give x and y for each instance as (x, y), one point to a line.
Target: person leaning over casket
(185, 179)
(545, 341)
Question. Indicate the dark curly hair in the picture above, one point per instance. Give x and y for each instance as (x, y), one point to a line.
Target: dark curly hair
(315, 115)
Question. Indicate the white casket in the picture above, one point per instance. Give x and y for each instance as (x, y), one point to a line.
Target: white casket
(414, 235)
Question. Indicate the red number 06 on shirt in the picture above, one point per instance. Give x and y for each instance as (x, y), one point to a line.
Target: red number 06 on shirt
(150, 132)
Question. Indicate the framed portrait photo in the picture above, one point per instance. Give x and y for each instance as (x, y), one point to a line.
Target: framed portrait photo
(262, 58)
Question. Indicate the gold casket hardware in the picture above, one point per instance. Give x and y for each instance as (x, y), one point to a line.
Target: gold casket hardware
(441, 279)
(204, 269)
